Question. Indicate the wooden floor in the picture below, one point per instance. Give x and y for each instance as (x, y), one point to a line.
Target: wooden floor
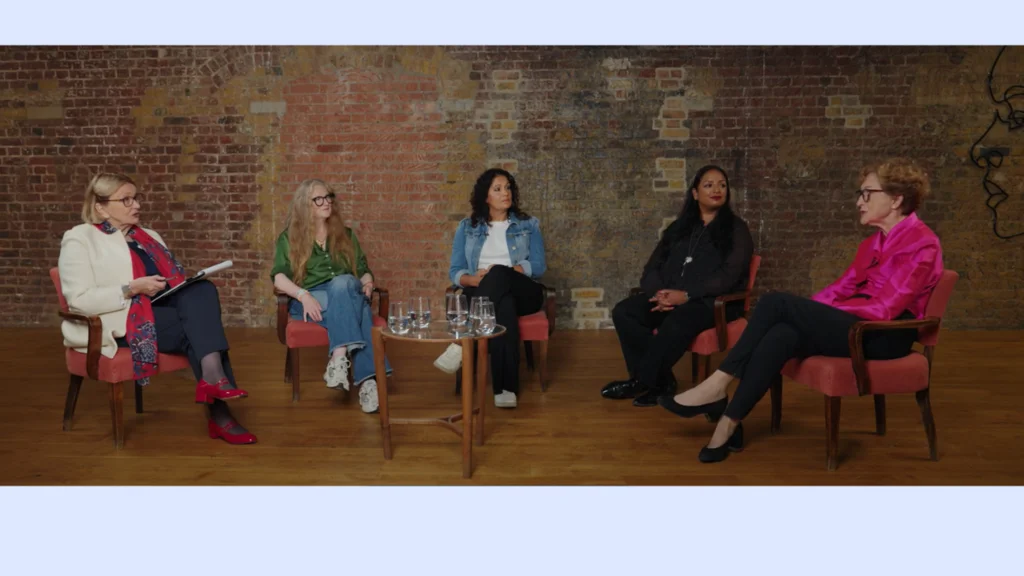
(567, 436)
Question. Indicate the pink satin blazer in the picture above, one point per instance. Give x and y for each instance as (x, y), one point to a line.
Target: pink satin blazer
(896, 272)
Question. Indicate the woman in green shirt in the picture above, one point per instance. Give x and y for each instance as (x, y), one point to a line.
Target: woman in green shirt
(313, 264)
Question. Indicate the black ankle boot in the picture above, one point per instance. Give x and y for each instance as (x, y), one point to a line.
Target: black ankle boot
(733, 444)
(622, 389)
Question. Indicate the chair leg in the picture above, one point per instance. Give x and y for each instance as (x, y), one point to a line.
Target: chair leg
(925, 404)
(694, 371)
(138, 398)
(542, 351)
(776, 393)
(288, 366)
(117, 412)
(74, 385)
(880, 414)
(832, 404)
(528, 350)
(701, 364)
(293, 354)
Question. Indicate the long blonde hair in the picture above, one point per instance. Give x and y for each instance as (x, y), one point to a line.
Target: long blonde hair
(102, 185)
(302, 231)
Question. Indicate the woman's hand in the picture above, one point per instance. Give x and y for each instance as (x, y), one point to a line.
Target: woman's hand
(310, 307)
(367, 281)
(667, 300)
(148, 285)
(483, 272)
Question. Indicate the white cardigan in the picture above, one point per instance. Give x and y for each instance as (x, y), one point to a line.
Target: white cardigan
(93, 266)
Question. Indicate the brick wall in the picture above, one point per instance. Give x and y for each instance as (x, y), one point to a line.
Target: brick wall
(603, 141)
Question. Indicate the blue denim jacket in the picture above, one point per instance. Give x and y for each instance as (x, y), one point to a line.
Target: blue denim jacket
(525, 246)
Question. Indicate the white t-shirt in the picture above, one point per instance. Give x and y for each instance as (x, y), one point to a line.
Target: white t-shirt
(495, 248)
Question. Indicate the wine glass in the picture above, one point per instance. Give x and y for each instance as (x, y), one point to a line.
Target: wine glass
(398, 318)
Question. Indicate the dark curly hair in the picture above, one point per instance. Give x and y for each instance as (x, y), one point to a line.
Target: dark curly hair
(720, 229)
(478, 201)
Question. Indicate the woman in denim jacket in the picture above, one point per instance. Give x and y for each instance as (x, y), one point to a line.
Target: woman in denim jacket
(498, 252)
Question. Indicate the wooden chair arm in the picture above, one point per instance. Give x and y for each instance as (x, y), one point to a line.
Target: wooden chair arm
(635, 291)
(95, 342)
(383, 301)
(282, 314)
(856, 340)
(549, 308)
(721, 322)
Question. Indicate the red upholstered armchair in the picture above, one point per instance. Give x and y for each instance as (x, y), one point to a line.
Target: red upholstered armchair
(298, 334)
(537, 327)
(838, 377)
(114, 370)
(725, 334)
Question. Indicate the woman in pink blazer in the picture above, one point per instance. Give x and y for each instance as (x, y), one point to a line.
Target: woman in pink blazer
(891, 277)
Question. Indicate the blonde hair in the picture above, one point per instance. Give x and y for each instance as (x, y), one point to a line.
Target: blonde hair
(901, 177)
(302, 232)
(103, 185)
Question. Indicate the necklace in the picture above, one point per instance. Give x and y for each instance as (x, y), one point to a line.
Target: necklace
(692, 249)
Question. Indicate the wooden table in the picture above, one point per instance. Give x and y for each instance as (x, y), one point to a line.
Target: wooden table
(438, 332)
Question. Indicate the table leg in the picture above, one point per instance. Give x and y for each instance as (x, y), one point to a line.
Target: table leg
(467, 407)
(482, 360)
(382, 389)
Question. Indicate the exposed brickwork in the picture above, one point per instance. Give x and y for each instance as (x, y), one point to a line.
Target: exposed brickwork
(602, 140)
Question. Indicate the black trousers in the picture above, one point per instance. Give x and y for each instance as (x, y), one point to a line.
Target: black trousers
(650, 357)
(188, 322)
(784, 326)
(514, 295)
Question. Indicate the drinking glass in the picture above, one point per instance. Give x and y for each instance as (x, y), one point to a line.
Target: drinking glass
(419, 308)
(457, 313)
(474, 312)
(487, 321)
(398, 318)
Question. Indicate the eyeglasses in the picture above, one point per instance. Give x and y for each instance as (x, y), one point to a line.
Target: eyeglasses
(319, 200)
(127, 200)
(865, 193)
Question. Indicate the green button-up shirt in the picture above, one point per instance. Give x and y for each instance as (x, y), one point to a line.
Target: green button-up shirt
(320, 267)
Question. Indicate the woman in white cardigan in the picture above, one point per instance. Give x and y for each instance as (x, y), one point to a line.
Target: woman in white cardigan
(112, 267)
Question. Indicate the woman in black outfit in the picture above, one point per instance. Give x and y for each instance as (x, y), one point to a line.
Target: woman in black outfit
(705, 253)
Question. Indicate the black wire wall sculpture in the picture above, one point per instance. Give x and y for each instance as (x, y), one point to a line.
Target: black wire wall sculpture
(990, 158)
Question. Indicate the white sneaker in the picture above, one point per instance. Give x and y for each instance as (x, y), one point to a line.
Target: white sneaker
(505, 400)
(368, 396)
(451, 360)
(337, 372)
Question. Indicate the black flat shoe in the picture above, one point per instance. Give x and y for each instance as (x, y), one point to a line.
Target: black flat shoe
(733, 444)
(622, 389)
(712, 410)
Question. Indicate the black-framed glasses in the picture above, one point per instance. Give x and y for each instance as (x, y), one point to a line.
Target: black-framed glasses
(319, 200)
(127, 200)
(865, 193)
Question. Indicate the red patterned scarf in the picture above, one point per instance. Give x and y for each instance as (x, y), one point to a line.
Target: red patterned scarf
(141, 329)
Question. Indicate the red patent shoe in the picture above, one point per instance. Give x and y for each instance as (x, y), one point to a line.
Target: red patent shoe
(206, 393)
(223, 432)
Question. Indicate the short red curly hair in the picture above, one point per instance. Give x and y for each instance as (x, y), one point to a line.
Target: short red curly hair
(901, 177)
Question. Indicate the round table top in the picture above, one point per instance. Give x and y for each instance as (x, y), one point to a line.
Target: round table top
(437, 331)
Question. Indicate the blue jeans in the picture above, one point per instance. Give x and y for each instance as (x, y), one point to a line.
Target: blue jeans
(346, 316)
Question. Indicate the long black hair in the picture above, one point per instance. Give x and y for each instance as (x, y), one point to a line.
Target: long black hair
(481, 211)
(721, 228)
